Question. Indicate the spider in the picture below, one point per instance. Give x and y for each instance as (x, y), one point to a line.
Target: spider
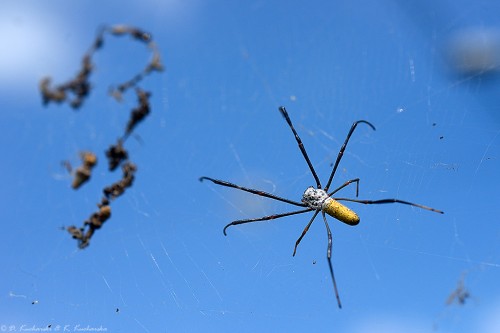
(317, 199)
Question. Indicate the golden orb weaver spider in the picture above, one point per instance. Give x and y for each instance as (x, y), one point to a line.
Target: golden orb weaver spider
(317, 199)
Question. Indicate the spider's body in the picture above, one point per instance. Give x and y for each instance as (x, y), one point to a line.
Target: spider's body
(317, 199)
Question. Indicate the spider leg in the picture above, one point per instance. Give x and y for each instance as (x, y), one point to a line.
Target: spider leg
(265, 218)
(342, 149)
(301, 145)
(386, 201)
(329, 257)
(356, 180)
(305, 231)
(261, 193)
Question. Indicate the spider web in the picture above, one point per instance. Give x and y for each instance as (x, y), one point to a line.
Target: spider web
(161, 263)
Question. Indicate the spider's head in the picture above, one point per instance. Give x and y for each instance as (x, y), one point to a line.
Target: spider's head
(314, 197)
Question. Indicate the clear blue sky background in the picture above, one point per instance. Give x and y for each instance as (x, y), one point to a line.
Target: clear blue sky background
(162, 259)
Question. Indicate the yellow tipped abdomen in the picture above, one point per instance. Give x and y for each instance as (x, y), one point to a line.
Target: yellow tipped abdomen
(340, 212)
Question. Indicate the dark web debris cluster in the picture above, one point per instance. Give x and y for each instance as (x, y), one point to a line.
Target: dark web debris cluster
(77, 89)
(82, 173)
(97, 219)
(117, 155)
(74, 92)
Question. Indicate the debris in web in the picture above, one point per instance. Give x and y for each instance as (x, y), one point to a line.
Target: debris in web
(82, 173)
(94, 222)
(139, 113)
(460, 294)
(74, 92)
(116, 189)
(116, 154)
(79, 87)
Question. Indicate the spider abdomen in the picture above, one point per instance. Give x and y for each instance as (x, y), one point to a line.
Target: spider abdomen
(342, 213)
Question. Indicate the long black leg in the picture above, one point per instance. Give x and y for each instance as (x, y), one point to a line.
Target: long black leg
(301, 145)
(265, 218)
(329, 257)
(386, 201)
(305, 231)
(261, 193)
(356, 180)
(342, 149)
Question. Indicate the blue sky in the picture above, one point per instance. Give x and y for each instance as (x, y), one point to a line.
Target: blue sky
(162, 259)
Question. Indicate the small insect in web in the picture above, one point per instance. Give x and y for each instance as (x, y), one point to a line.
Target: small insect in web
(317, 199)
(460, 294)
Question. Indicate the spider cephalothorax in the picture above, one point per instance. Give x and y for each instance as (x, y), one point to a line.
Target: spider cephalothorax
(314, 197)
